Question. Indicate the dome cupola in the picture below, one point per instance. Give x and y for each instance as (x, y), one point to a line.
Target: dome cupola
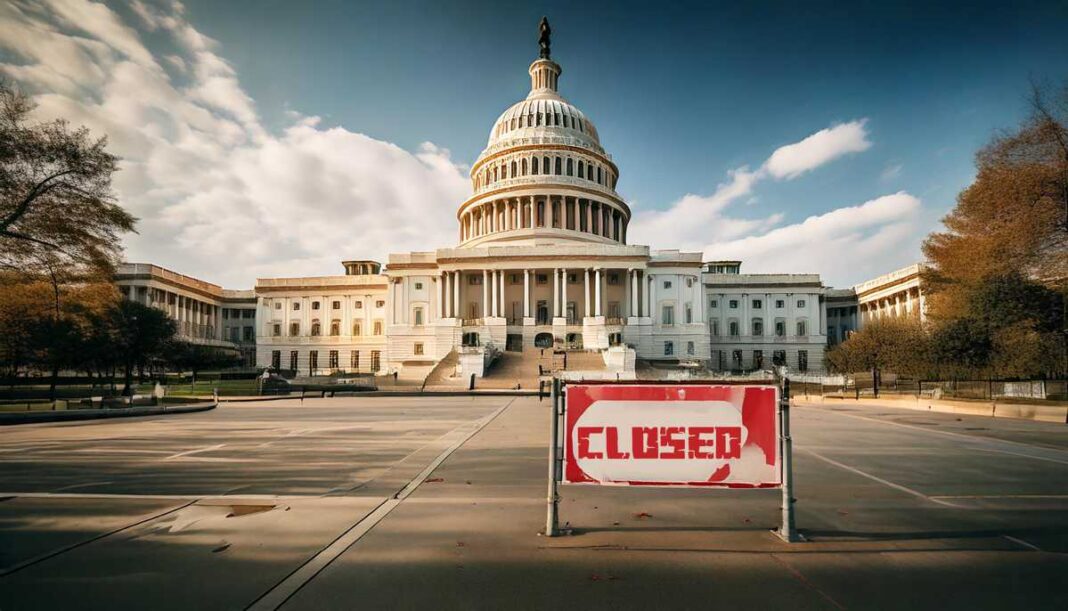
(543, 175)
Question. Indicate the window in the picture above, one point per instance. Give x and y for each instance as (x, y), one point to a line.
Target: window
(757, 304)
(248, 314)
(332, 359)
(276, 330)
(315, 305)
(667, 284)
(336, 305)
(235, 334)
(689, 348)
(278, 305)
(570, 161)
(377, 328)
(474, 279)
(276, 359)
(357, 328)
(313, 361)
(247, 334)
(316, 329)
(732, 328)
(226, 313)
(758, 359)
(802, 360)
(354, 359)
(780, 328)
(572, 278)
(802, 328)
(418, 349)
(376, 360)
(418, 317)
(689, 282)
(613, 278)
(689, 314)
(715, 328)
(418, 286)
(294, 329)
(296, 306)
(778, 357)
(668, 317)
(780, 304)
(669, 348)
(293, 360)
(541, 278)
(734, 304)
(758, 327)
(800, 303)
(335, 327)
(381, 303)
(713, 304)
(359, 305)
(736, 359)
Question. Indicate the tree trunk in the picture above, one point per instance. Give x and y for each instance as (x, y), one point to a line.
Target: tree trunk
(52, 383)
(127, 380)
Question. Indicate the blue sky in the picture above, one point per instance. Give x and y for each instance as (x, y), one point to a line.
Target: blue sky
(682, 94)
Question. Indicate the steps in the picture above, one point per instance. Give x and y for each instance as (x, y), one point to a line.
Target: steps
(522, 368)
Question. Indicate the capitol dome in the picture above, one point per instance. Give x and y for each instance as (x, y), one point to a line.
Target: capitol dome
(544, 176)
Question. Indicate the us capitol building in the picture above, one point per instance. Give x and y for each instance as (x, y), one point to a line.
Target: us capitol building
(541, 261)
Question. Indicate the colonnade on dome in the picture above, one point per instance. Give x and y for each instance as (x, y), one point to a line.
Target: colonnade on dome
(516, 216)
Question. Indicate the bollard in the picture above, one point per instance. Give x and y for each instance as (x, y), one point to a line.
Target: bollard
(551, 500)
(471, 384)
(787, 532)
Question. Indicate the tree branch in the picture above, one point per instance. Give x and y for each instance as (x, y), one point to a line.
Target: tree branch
(38, 190)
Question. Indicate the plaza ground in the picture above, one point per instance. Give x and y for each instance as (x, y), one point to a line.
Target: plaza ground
(407, 502)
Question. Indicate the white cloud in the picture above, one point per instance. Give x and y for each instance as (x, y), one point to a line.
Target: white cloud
(693, 220)
(874, 233)
(218, 196)
(793, 160)
(871, 233)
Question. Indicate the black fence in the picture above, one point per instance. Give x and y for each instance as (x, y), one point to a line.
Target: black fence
(895, 386)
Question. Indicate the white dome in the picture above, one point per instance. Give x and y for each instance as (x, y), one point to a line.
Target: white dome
(544, 115)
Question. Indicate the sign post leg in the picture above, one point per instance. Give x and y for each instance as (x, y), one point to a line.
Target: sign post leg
(787, 532)
(551, 501)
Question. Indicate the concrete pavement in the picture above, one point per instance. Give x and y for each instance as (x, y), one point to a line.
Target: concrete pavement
(216, 510)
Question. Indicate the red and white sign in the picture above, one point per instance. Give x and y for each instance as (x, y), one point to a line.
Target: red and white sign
(672, 435)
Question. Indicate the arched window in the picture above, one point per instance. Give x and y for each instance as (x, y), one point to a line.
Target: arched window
(538, 119)
(494, 174)
(582, 169)
(570, 166)
(316, 329)
(534, 166)
(559, 166)
(599, 175)
(504, 170)
(513, 170)
(566, 121)
(546, 166)
(513, 123)
(335, 327)
(523, 166)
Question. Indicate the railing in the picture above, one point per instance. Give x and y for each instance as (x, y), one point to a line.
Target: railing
(613, 320)
(472, 322)
(509, 143)
(546, 179)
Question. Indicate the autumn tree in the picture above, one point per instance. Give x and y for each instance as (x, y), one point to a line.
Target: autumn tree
(141, 333)
(899, 345)
(55, 190)
(1014, 217)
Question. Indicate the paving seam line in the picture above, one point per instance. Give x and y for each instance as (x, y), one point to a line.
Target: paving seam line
(292, 583)
(72, 546)
(880, 480)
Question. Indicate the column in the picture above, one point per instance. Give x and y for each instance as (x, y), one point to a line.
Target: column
(549, 212)
(649, 295)
(556, 292)
(495, 298)
(526, 293)
(502, 310)
(589, 216)
(632, 287)
(597, 293)
(485, 293)
(441, 296)
(533, 212)
(456, 294)
(563, 293)
(578, 224)
(587, 270)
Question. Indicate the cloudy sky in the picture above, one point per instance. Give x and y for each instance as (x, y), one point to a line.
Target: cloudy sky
(273, 138)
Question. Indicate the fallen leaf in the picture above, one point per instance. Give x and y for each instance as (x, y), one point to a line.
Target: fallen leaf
(435, 480)
(221, 548)
(641, 515)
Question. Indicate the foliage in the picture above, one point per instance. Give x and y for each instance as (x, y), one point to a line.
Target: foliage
(142, 333)
(55, 191)
(187, 356)
(894, 344)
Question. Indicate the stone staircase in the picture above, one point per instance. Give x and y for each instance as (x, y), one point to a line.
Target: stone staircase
(522, 368)
(442, 373)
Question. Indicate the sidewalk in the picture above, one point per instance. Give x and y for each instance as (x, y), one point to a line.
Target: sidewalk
(468, 538)
(1025, 411)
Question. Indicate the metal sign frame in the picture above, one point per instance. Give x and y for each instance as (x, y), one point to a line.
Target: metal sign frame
(787, 531)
